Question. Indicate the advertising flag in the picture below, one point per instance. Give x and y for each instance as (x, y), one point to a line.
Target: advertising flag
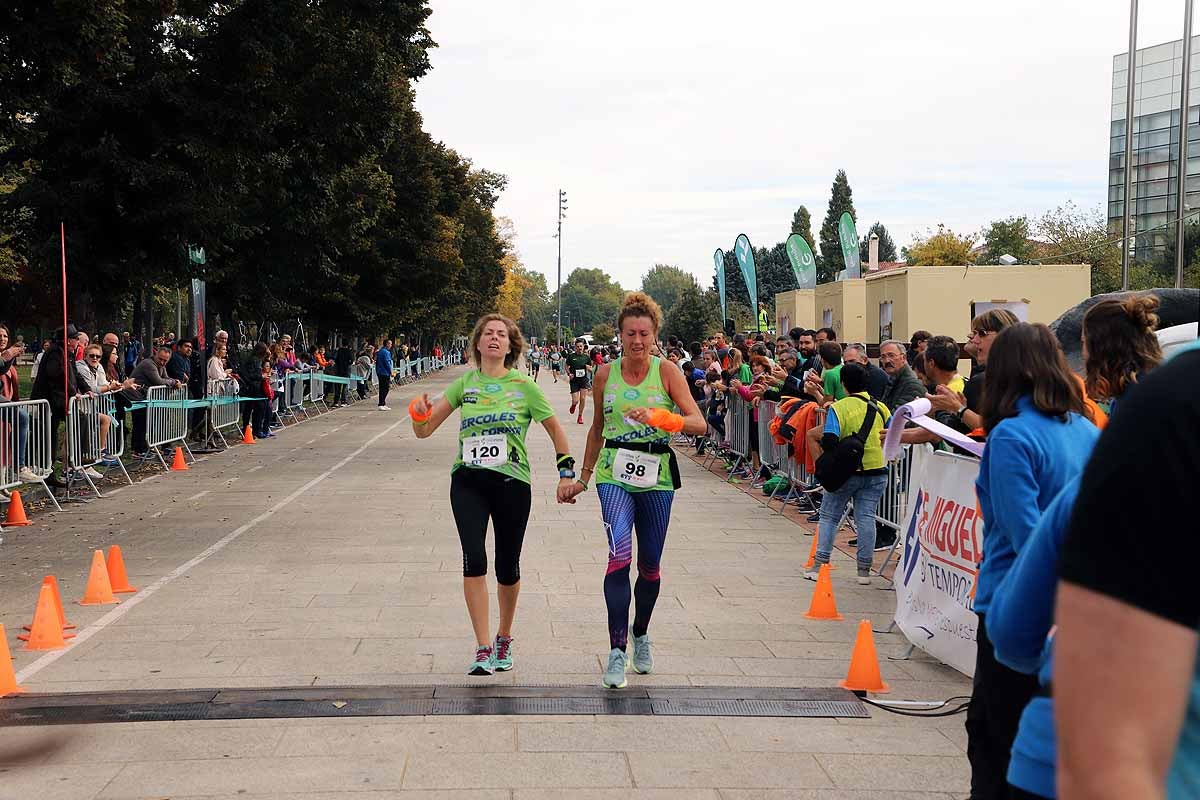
(745, 258)
(719, 263)
(848, 237)
(804, 266)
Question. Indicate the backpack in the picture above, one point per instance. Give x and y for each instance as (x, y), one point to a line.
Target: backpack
(838, 465)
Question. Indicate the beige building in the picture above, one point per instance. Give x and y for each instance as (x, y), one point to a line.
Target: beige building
(892, 304)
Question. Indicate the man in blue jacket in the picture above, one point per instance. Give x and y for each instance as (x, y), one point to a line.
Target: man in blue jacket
(383, 369)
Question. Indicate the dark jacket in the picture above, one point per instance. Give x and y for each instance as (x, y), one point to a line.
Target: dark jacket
(793, 386)
(903, 388)
(49, 382)
(342, 361)
(145, 375)
(877, 382)
(179, 367)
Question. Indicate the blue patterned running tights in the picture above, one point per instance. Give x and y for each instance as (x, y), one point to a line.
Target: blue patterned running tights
(624, 512)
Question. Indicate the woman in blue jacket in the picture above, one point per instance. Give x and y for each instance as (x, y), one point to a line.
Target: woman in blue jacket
(1037, 441)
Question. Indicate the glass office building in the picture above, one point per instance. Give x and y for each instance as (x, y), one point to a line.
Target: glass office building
(1158, 75)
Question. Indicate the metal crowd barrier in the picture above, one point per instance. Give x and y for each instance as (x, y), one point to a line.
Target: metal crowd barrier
(167, 419)
(25, 451)
(894, 504)
(737, 429)
(316, 388)
(223, 414)
(799, 480)
(84, 448)
(293, 394)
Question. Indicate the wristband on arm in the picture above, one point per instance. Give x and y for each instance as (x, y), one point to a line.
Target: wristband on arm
(420, 419)
(665, 420)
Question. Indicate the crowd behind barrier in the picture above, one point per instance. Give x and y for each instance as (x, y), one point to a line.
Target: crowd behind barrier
(96, 422)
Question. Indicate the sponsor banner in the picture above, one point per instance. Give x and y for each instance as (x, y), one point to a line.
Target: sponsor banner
(719, 263)
(199, 312)
(745, 258)
(939, 565)
(848, 238)
(804, 266)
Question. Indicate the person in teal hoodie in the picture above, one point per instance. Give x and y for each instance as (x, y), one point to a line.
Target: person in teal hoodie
(1037, 440)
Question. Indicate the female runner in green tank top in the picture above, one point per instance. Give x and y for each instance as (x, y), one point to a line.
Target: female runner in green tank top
(491, 477)
(629, 450)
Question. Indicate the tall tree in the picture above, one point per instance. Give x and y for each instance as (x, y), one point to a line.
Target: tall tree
(694, 317)
(802, 224)
(666, 283)
(942, 247)
(1007, 236)
(840, 201)
(887, 247)
(593, 296)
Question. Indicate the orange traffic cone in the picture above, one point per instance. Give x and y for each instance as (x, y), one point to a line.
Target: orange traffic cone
(98, 591)
(247, 436)
(116, 570)
(16, 511)
(863, 675)
(823, 605)
(812, 554)
(8, 678)
(52, 582)
(179, 465)
(46, 632)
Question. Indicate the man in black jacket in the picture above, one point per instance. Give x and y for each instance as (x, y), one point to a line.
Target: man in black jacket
(49, 385)
(342, 360)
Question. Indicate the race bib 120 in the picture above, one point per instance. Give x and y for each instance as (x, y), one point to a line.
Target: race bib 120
(485, 451)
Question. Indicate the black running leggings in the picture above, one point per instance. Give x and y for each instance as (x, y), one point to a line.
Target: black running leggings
(477, 495)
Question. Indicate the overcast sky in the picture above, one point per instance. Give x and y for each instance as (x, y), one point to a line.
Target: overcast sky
(676, 126)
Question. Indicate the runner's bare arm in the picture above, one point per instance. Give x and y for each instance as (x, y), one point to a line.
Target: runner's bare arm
(441, 410)
(693, 421)
(595, 436)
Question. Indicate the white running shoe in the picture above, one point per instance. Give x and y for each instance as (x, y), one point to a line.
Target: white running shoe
(385, 408)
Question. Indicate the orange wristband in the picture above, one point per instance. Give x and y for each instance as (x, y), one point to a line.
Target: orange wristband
(414, 416)
(661, 418)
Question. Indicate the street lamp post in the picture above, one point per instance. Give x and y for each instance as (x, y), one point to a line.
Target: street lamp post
(562, 212)
(1126, 204)
(1181, 171)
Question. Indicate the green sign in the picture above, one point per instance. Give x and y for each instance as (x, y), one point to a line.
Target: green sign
(804, 266)
(849, 241)
(745, 258)
(719, 263)
(196, 254)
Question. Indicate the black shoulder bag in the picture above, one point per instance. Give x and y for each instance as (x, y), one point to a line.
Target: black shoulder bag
(836, 466)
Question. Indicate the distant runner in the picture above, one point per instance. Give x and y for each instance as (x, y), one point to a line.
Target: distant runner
(579, 371)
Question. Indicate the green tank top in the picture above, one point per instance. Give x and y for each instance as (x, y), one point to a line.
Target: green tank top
(620, 397)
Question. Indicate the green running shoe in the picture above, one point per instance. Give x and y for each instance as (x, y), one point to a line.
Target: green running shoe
(614, 676)
(642, 662)
(502, 653)
(483, 662)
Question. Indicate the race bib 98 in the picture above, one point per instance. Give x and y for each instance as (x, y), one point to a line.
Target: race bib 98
(636, 469)
(485, 451)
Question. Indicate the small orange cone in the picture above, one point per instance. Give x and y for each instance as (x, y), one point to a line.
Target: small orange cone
(247, 436)
(8, 678)
(863, 675)
(46, 632)
(98, 591)
(16, 511)
(52, 582)
(116, 570)
(180, 465)
(812, 554)
(823, 605)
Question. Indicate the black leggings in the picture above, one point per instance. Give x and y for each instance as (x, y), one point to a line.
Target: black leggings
(477, 494)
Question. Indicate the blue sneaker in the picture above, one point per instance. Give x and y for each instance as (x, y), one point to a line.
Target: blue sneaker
(483, 662)
(614, 675)
(502, 660)
(642, 662)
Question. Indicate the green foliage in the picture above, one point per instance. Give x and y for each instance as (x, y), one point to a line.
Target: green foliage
(1009, 236)
(603, 333)
(802, 224)
(774, 275)
(279, 134)
(887, 247)
(694, 316)
(590, 296)
(840, 201)
(942, 247)
(666, 284)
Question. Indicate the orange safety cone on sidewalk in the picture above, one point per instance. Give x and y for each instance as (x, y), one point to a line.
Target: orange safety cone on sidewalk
(52, 582)
(247, 436)
(16, 511)
(179, 465)
(863, 675)
(823, 605)
(46, 633)
(8, 678)
(116, 570)
(98, 591)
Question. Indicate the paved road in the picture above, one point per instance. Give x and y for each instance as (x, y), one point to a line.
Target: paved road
(328, 556)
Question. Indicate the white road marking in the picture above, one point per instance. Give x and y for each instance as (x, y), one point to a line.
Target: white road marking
(132, 602)
(199, 495)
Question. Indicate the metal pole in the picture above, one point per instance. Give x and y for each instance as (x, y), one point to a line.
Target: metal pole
(559, 291)
(1181, 189)
(1128, 240)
